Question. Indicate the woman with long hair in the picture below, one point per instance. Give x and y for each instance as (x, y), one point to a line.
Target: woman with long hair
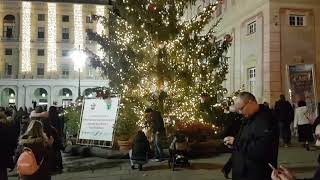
(35, 139)
(303, 123)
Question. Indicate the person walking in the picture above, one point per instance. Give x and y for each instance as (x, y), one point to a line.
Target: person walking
(303, 124)
(36, 140)
(154, 118)
(257, 142)
(284, 114)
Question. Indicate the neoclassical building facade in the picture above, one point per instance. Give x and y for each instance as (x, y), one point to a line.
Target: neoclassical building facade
(275, 46)
(38, 39)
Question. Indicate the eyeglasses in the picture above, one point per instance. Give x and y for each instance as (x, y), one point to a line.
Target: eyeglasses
(244, 106)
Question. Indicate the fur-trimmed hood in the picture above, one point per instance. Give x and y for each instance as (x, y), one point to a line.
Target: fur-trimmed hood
(27, 140)
(4, 120)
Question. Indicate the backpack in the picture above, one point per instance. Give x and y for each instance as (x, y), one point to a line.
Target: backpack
(27, 163)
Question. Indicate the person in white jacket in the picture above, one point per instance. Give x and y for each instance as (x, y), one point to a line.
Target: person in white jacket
(303, 123)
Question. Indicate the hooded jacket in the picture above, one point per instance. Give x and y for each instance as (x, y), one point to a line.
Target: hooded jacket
(6, 150)
(39, 147)
(140, 147)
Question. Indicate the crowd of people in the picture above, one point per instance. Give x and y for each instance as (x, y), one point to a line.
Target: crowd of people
(252, 131)
(36, 130)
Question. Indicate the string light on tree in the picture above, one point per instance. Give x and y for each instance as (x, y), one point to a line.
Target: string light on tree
(158, 59)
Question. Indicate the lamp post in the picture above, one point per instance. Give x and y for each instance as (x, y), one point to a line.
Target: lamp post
(78, 57)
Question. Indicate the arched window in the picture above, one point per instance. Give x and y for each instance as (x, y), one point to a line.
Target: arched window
(8, 26)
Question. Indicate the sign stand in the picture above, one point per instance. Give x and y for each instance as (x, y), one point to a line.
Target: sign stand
(96, 115)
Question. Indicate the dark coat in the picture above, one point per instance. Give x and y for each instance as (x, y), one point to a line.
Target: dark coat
(39, 148)
(255, 147)
(232, 123)
(6, 141)
(140, 147)
(284, 112)
(157, 122)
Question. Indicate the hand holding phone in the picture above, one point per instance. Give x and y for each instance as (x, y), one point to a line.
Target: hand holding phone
(270, 165)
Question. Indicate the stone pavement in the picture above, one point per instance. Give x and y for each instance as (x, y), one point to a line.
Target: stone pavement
(296, 158)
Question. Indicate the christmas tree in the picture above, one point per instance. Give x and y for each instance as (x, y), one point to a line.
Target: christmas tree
(155, 57)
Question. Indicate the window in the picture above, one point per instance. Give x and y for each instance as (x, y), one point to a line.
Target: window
(65, 71)
(41, 17)
(89, 19)
(252, 79)
(297, 20)
(8, 26)
(40, 69)
(8, 52)
(40, 32)
(65, 18)
(65, 53)
(252, 28)
(65, 33)
(89, 30)
(8, 69)
(40, 52)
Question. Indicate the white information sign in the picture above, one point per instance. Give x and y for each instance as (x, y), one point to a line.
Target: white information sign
(98, 119)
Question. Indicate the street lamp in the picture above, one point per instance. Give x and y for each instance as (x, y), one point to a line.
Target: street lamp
(79, 58)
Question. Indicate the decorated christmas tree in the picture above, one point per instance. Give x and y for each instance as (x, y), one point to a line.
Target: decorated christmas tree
(155, 57)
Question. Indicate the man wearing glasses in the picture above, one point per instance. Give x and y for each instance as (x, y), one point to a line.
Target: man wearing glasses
(257, 142)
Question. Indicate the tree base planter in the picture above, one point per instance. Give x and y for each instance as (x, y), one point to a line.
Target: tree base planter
(205, 149)
(124, 146)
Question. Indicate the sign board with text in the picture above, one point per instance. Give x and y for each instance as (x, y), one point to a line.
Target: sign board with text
(98, 118)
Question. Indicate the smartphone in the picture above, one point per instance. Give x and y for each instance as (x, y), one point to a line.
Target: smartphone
(270, 165)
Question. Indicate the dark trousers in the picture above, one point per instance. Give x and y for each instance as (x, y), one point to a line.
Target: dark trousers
(3, 174)
(285, 132)
(228, 166)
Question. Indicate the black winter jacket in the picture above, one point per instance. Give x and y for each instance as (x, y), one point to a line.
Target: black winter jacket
(284, 112)
(255, 147)
(140, 147)
(157, 122)
(8, 141)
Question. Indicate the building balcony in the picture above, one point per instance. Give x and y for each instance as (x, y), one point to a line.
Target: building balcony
(12, 76)
(64, 76)
(9, 39)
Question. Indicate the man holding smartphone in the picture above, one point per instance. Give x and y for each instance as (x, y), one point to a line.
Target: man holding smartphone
(257, 142)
